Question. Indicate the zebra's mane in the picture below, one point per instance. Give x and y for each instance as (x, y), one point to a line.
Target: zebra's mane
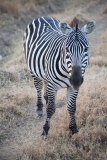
(74, 23)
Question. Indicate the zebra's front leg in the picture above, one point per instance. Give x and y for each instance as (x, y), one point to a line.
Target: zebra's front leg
(39, 85)
(72, 95)
(45, 92)
(50, 110)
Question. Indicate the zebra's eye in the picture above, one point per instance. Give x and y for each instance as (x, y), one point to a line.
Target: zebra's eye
(86, 49)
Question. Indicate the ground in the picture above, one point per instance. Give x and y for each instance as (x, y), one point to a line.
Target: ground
(20, 128)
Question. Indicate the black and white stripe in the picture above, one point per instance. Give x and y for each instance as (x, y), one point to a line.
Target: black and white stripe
(46, 56)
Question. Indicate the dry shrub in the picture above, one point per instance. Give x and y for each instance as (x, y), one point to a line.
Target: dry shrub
(91, 115)
(45, 150)
(18, 7)
(12, 104)
(99, 60)
(103, 49)
(16, 110)
(100, 52)
(104, 10)
(6, 78)
(90, 143)
(10, 7)
(12, 108)
(23, 99)
(17, 100)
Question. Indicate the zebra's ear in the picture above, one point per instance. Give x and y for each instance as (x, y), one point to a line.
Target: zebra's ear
(89, 27)
(65, 28)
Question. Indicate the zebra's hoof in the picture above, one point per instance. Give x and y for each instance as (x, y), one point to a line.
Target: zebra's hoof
(74, 130)
(39, 113)
(45, 130)
(43, 135)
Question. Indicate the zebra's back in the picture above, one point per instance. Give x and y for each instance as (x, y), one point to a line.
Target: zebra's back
(43, 45)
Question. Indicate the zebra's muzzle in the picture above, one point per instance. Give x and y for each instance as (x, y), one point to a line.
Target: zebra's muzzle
(76, 78)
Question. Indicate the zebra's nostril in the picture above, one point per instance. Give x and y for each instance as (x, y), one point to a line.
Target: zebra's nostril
(76, 81)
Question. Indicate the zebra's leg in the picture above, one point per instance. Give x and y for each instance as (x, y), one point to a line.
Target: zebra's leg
(45, 92)
(50, 110)
(72, 95)
(38, 85)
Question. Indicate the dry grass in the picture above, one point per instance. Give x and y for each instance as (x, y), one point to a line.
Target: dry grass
(11, 7)
(18, 7)
(104, 10)
(11, 106)
(90, 143)
(100, 58)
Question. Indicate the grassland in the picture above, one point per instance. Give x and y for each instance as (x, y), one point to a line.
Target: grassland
(17, 8)
(20, 129)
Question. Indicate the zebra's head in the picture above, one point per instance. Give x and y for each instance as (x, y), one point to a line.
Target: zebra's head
(76, 50)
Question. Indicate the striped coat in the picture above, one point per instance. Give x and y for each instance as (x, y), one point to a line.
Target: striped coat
(58, 54)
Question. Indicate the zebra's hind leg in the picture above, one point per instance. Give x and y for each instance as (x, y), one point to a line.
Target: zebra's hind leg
(50, 110)
(45, 92)
(72, 95)
(39, 85)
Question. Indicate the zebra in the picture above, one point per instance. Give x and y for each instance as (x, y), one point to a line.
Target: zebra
(57, 55)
